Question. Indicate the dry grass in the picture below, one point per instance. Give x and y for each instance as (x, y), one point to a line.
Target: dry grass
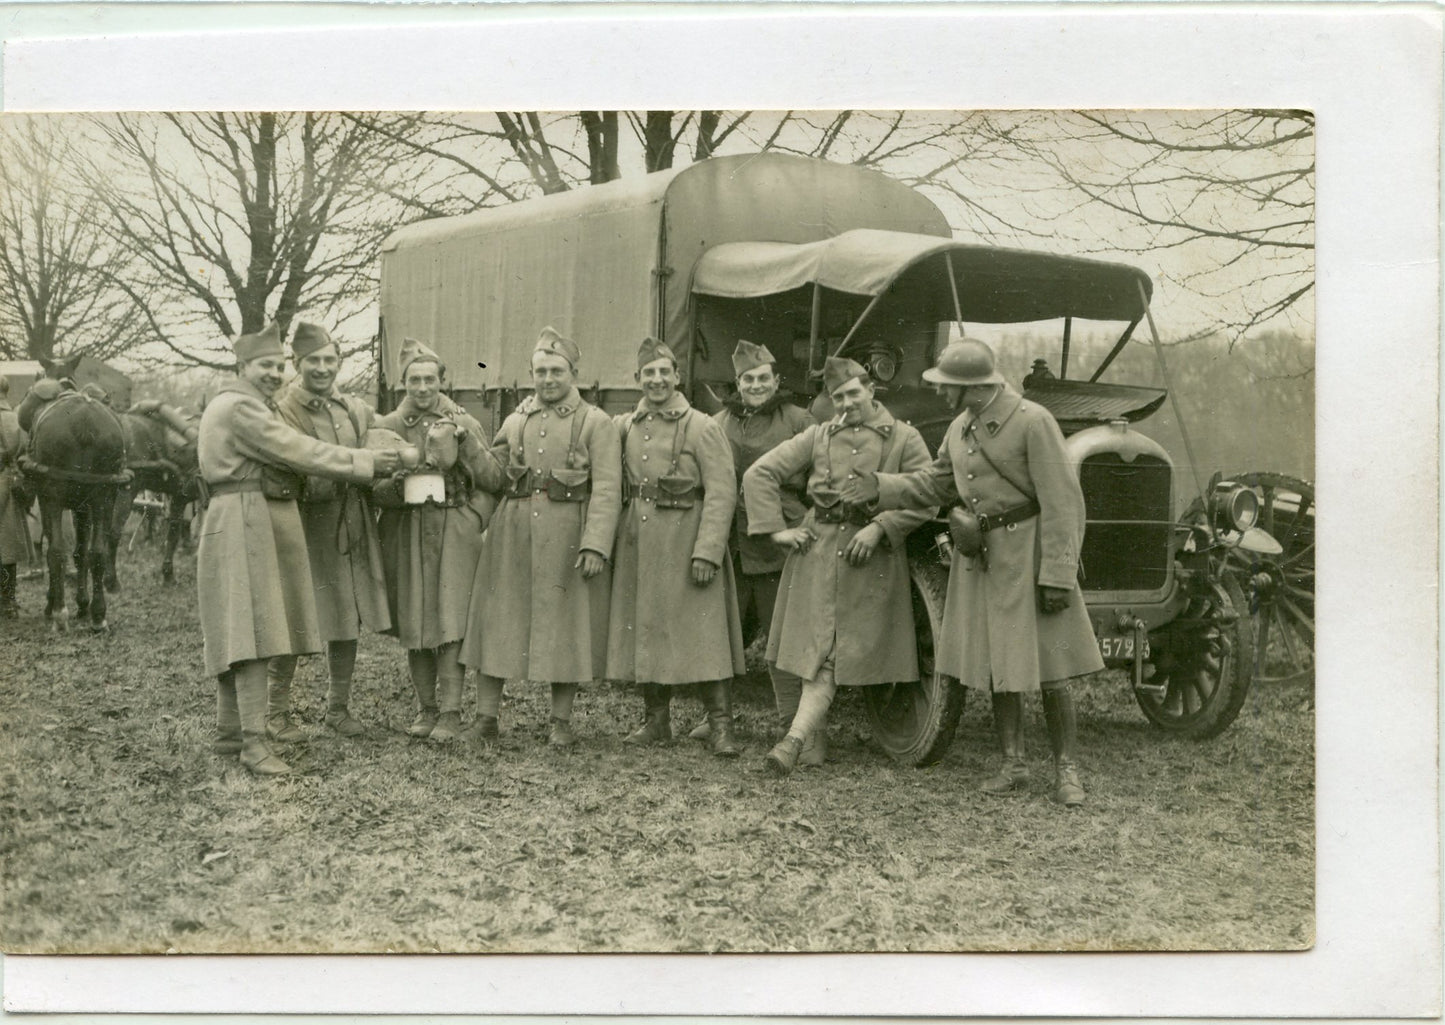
(119, 831)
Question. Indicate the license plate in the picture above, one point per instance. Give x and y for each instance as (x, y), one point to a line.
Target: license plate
(1120, 647)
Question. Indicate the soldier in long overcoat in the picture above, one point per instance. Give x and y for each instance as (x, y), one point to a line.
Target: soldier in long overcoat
(674, 616)
(252, 571)
(844, 615)
(1015, 621)
(755, 420)
(540, 600)
(14, 536)
(430, 551)
(340, 527)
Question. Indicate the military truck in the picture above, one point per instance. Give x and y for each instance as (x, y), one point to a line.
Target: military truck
(813, 259)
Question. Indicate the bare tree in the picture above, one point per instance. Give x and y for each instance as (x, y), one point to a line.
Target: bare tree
(245, 217)
(59, 271)
(1230, 192)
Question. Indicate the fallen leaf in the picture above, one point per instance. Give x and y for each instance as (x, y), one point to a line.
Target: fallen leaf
(215, 856)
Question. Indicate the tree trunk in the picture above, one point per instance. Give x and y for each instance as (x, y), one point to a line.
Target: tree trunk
(601, 127)
(657, 140)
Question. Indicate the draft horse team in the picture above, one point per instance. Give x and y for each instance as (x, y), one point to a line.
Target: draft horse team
(647, 547)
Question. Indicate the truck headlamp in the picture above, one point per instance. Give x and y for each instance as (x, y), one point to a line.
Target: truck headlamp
(1234, 506)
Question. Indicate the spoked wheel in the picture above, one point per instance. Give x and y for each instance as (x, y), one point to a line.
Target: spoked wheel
(1280, 588)
(1203, 662)
(914, 722)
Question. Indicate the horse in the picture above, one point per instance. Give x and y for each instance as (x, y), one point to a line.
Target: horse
(75, 460)
(162, 460)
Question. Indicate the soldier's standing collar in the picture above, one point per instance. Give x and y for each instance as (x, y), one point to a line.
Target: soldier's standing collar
(673, 410)
(881, 422)
(565, 406)
(997, 413)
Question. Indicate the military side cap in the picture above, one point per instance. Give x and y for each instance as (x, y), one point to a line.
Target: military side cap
(748, 356)
(965, 362)
(308, 339)
(838, 371)
(651, 350)
(266, 342)
(553, 342)
(412, 351)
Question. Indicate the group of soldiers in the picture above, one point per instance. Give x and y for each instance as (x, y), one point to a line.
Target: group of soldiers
(576, 546)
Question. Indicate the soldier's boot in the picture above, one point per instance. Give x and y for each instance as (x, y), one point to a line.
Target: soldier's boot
(450, 676)
(815, 747)
(9, 604)
(251, 704)
(718, 697)
(560, 733)
(280, 671)
(813, 703)
(787, 692)
(1008, 726)
(228, 716)
(486, 729)
(784, 755)
(423, 667)
(656, 725)
(1063, 726)
(341, 660)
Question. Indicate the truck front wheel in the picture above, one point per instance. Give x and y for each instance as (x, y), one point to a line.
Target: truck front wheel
(1203, 665)
(914, 722)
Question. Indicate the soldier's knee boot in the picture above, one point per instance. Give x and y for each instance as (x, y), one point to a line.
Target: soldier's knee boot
(423, 667)
(1008, 725)
(1062, 721)
(718, 697)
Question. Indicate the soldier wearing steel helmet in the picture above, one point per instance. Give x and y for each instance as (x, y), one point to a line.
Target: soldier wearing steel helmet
(1014, 616)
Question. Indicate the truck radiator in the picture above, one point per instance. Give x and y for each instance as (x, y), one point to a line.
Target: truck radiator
(1126, 542)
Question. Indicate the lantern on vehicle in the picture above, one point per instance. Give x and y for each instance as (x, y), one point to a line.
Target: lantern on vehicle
(1234, 506)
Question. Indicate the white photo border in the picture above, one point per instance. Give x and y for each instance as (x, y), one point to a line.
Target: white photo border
(1372, 77)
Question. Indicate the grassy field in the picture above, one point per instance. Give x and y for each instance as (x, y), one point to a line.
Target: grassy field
(121, 832)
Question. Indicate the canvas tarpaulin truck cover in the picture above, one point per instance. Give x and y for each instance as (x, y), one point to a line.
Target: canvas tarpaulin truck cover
(609, 264)
(994, 285)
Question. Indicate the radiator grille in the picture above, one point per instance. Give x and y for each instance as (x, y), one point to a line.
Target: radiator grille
(1126, 543)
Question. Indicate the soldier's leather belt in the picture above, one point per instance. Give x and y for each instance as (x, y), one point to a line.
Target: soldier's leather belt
(653, 493)
(232, 487)
(1009, 517)
(541, 482)
(841, 514)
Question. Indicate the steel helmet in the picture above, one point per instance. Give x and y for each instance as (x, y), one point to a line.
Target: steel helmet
(966, 362)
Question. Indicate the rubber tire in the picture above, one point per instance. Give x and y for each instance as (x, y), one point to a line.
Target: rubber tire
(914, 722)
(1236, 673)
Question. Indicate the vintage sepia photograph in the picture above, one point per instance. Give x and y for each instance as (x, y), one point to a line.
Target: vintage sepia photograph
(636, 531)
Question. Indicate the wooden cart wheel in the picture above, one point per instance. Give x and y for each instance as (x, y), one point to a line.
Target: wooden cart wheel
(1280, 589)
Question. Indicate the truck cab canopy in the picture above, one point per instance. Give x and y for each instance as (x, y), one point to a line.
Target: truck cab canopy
(610, 264)
(993, 285)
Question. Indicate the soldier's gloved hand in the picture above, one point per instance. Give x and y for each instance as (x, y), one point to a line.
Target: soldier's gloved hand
(145, 407)
(1053, 599)
(861, 547)
(385, 462)
(703, 572)
(590, 563)
(797, 539)
(861, 490)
